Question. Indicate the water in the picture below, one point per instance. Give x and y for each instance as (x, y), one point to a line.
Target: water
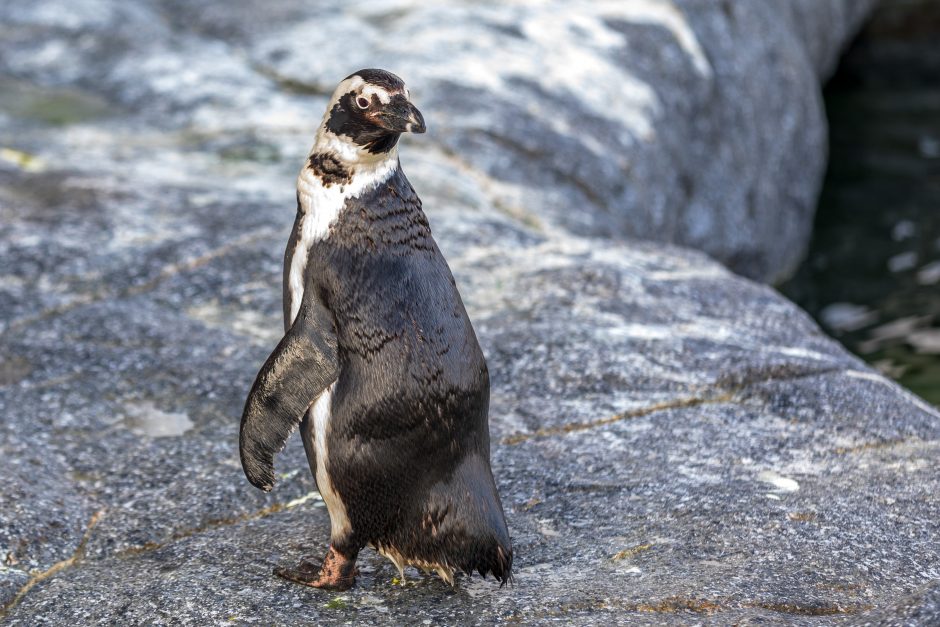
(872, 275)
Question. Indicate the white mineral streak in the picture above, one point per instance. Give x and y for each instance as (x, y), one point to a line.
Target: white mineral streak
(781, 483)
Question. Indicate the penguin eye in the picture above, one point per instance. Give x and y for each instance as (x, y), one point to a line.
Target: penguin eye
(363, 102)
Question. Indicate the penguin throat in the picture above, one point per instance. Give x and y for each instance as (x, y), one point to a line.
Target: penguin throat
(338, 164)
(350, 154)
(330, 177)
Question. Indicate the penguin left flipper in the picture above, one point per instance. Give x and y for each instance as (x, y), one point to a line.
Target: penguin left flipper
(302, 366)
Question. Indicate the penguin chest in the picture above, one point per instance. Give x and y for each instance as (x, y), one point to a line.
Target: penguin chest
(320, 203)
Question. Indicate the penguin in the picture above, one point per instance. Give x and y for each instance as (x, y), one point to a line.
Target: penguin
(379, 364)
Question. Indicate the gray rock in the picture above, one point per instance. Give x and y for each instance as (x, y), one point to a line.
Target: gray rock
(695, 123)
(673, 443)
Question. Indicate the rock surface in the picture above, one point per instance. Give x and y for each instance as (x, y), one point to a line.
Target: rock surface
(673, 443)
(694, 122)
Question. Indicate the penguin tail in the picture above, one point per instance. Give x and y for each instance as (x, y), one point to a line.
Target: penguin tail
(500, 565)
(472, 524)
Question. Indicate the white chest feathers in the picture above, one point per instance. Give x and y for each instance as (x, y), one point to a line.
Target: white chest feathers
(320, 206)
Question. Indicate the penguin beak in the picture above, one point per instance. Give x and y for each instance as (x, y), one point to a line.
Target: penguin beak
(400, 116)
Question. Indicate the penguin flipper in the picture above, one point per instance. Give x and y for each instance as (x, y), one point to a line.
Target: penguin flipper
(302, 366)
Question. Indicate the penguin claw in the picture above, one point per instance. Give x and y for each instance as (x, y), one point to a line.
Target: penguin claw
(307, 570)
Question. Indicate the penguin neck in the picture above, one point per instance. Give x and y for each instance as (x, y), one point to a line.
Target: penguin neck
(337, 170)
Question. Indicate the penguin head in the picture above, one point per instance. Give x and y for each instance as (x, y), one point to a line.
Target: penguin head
(368, 112)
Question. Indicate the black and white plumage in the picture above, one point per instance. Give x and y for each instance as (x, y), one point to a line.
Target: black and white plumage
(379, 363)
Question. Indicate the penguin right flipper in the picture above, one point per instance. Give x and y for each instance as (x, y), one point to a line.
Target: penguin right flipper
(302, 366)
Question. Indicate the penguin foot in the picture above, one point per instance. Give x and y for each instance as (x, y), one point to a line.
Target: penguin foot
(336, 572)
(306, 571)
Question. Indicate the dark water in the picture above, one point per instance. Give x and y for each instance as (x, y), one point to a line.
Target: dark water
(872, 276)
